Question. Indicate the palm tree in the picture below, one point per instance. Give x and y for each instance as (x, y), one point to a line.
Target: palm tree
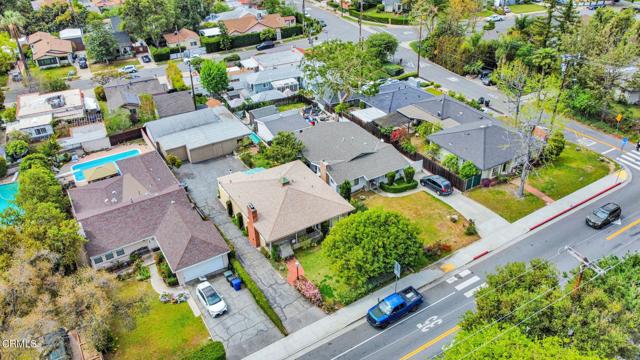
(13, 22)
(426, 12)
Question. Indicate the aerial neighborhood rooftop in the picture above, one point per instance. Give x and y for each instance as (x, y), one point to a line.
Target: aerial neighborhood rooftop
(248, 179)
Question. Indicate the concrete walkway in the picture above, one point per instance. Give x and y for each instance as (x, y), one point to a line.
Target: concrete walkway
(323, 330)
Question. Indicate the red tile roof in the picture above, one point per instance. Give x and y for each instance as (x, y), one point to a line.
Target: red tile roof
(180, 36)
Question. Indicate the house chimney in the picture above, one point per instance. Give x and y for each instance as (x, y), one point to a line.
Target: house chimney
(323, 171)
(254, 235)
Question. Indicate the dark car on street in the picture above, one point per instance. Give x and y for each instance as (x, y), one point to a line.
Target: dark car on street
(265, 45)
(146, 59)
(485, 77)
(604, 215)
(438, 184)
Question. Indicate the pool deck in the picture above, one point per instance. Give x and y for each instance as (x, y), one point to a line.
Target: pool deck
(66, 168)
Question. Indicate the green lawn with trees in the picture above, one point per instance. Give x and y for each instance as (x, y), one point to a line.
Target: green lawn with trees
(504, 201)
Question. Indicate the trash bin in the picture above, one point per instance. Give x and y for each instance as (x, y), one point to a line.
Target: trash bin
(236, 284)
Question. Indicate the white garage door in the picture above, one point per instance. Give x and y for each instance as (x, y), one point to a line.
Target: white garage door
(204, 268)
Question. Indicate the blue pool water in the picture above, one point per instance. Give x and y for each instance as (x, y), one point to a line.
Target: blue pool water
(254, 138)
(78, 169)
(7, 194)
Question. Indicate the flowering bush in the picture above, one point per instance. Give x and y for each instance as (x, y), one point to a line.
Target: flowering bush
(309, 291)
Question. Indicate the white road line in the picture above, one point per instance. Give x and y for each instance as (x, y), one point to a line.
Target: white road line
(471, 292)
(452, 279)
(607, 151)
(464, 273)
(586, 142)
(452, 79)
(629, 163)
(389, 328)
(631, 158)
(632, 155)
(467, 283)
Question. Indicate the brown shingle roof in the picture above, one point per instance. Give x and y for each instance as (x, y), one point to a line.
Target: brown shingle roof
(164, 211)
(180, 36)
(245, 23)
(285, 209)
(37, 36)
(51, 47)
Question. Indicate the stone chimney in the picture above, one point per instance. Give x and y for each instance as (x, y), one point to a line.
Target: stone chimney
(324, 175)
(254, 235)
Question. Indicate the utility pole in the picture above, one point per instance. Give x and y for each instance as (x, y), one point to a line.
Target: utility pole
(193, 91)
(360, 20)
(419, 47)
(584, 264)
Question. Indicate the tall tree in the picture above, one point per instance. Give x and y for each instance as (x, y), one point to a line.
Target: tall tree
(39, 185)
(285, 147)
(214, 77)
(189, 13)
(567, 18)
(382, 45)
(148, 19)
(14, 23)
(542, 28)
(338, 68)
(101, 44)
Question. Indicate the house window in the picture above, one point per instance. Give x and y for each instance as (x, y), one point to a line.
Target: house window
(119, 252)
(40, 131)
(356, 181)
(194, 43)
(108, 256)
(494, 171)
(48, 61)
(97, 260)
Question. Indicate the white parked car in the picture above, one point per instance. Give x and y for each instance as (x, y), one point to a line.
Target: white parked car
(128, 69)
(188, 59)
(495, 18)
(211, 299)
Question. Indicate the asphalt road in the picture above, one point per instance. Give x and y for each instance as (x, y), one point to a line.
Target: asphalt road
(424, 334)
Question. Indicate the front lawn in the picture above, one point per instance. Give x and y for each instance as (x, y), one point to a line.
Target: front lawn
(502, 200)
(526, 8)
(161, 331)
(434, 91)
(317, 268)
(298, 105)
(576, 168)
(114, 65)
(46, 75)
(430, 215)
(485, 13)
(373, 12)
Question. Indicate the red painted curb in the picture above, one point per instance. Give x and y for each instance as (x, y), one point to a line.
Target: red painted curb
(481, 255)
(574, 206)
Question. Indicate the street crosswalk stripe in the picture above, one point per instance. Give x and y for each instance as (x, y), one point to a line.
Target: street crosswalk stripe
(464, 273)
(632, 155)
(452, 279)
(607, 151)
(629, 163)
(467, 283)
(632, 159)
(471, 292)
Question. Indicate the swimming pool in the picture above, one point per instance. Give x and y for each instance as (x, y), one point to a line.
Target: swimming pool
(78, 169)
(254, 138)
(7, 194)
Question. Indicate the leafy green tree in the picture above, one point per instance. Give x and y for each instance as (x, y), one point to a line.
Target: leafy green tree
(271, 6)
(554, 147)
(365, 245)
(225, 38)
(9, 114)
(382, 46)
(148, 19)
(542, 27)
(101, 44)
(49, 147)
(267, 34)
(56, 16)
(189, 13)
(219, 7)
(391, 177)
(174, 161)
(451, 162)
(39, 185)
(503, 342)
(213, 76)
(285, 147)
(409, 172)
(432, 150)
(54, 85)
(567, 18)
(468, 170)
(117, 121)
(345, 190)
(36, 159)
(3, 167)
(16, 148)
(342, 69)
(14, 23)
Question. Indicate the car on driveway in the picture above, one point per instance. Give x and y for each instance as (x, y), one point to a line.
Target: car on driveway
(146, 59)
(438, 184)
(494, 18)
(212, 301)
(604, 215)
(128, 69)
(265, 45)
(82, 63)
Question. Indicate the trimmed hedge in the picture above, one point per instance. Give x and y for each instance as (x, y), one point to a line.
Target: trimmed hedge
(232, 57)
(261, 300)
(245, 40)
(163, 54)
(384, 19)
(399, 186)
(291, 31)
(211, 44)
(212, 350)
(407, 75)
(393, 69)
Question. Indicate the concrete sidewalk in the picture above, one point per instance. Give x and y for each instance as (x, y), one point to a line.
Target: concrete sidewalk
(310, 336)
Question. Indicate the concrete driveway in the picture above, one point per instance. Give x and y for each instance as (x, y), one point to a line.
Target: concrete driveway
(244, 329)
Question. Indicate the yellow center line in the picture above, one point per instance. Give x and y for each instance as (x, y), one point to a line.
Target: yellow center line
(617, 233)
(578, 133)
(431, 342)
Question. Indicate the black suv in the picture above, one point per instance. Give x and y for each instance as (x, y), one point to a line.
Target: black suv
(604, 215)
(265, 45)
(438, 184)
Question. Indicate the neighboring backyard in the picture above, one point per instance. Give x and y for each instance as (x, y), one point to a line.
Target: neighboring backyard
(298, 105)
(161, 331)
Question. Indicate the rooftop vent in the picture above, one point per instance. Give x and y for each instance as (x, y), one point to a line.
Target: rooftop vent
(56, 101)
(284, 181)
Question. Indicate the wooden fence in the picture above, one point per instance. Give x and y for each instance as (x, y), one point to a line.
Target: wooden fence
(127, 135)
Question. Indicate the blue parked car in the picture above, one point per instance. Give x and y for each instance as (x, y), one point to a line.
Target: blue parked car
(394, 307)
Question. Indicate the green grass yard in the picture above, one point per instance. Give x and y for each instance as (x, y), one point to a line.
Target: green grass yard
(45, 75)
(526, 8)
(502, 200)
(317, 268)
(434, 91)
(288, 107)
(162, 331)
(384, 15)
(485, 13)
(576, 168)
(114, 65)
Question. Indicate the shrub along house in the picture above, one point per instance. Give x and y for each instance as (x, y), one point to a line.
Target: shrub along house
(339, 151)
(285, 206)
(144, 208)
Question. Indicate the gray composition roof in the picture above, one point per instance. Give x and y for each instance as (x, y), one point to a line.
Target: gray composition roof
(446, 107)
(125, 91)
(263, 111)
(173, 103)
(291, 121)
(485, 143)
(350, 151)
(197, 128)
(270, 75)
(393, 119)
(393, 96)
(268, 95)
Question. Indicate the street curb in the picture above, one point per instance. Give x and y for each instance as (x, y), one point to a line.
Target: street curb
(574, 206)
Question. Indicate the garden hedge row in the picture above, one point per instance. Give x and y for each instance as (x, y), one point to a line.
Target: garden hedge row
(261, 300)
(291, 31)
(399, 187)
(384, 19)
(406, 75)
(212, 350)
(393, 69)
(211, 44)
(245, 40)
(163, 54)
